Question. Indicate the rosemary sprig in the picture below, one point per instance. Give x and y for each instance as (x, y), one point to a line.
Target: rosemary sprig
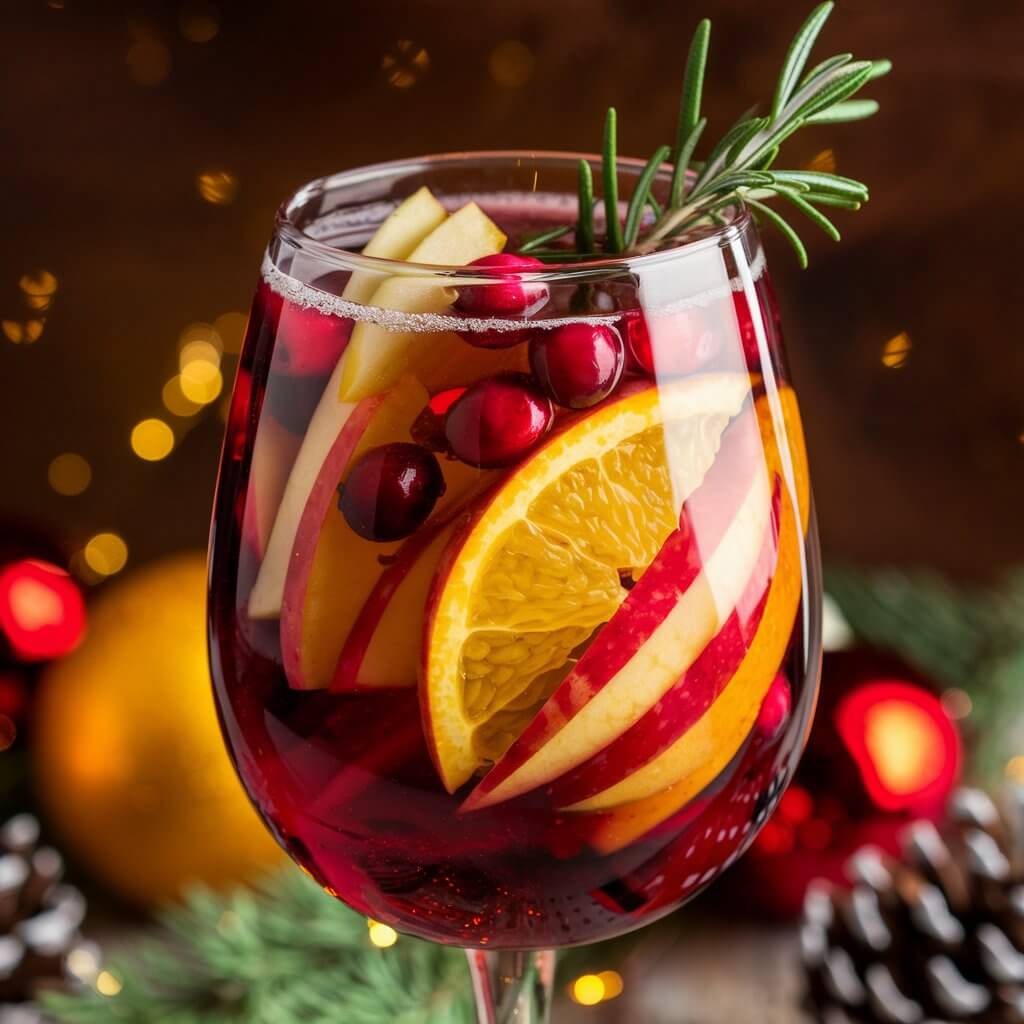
(740, 166)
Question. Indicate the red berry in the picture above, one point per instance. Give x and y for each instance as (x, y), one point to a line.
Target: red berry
(497, 421)
(390, 491)
(309, 343)
(428, 428)
(682, 342)
(508, 295)
(578, 364)
(775, 710)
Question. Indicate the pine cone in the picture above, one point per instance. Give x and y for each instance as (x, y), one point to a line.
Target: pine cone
(936, 937)
(39, 921)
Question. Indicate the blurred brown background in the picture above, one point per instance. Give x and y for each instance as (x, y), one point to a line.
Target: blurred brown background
(146, 146)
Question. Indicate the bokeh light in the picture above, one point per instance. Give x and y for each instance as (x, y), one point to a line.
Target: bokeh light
(176, 402)
(152, 439)
(38, 289)
(896, 351)
(106, 554)
(218, 187)
(107, 984)
(69, 474)
(199, 352)
(958, 703)
(201, 381)
(199, 22)
(42, 613)
(824, 162)
(405, 63)
(381, 935)
(510, 64)
(588, 989)
(22, 333)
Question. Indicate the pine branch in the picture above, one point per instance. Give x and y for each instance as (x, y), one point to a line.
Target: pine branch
(286, 953)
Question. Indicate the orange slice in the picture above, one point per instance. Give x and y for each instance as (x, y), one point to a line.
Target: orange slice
(665, 784)
(541, 566)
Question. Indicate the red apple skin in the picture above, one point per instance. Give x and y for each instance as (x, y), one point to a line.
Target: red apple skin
(683, 705)
(704, 520)
(320, 498)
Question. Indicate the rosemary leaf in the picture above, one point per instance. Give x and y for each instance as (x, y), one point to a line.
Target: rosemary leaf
(541, 240)
(613, 227)
(638, 200)
(683, 159)
(823, 181)
(689, 104)
(848, 110)
(780, 222)
(585, 216)
(813, 215)
(796, 59)
(841, 83)
(822, 199)
(879, 68)
(825, 66)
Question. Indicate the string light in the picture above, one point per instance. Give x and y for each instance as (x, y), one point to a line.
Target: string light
(69, 474)
(381, 935)
(106, 554)
(217, 187)
(510, 64)
(896, 351)
(152, 439)
(405, 64)
(107, 984)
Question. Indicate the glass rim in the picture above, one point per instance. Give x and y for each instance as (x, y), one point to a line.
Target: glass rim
(287, 228)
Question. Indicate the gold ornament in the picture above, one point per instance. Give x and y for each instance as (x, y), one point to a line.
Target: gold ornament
(129, 760)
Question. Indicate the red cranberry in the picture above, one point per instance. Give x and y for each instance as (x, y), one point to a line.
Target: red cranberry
(775, 709)
(683, 342)
(309, 343)
(497, 421)
(390, 491)
(428, 428)
(578, 364)
(508, 295)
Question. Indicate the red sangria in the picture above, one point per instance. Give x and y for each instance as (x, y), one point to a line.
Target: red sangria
(510, 581)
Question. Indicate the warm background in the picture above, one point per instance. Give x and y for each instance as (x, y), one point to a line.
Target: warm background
(145, 147)
(114, 113)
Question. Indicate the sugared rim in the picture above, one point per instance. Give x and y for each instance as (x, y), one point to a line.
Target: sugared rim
(287, 228)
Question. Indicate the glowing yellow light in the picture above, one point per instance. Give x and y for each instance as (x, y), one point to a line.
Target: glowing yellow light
(381, 935)
(69, 474)
(405, 63)
(510, 64)
(217, 187)
(39, 283)
(22, 333)
(148, 59)
(106, 554)
(1015, 769)
(588, 989)
(176, 402)
(12, 331)
(152, 440)
(201, 381)
(825, 161)
(107, 984)
(199, 352)
(230, 327)
(896, 351)
(83, 964)
(199, 22)
(958, 703)
(613, 984)
(33, 330)
(38, 302)
(904, 744)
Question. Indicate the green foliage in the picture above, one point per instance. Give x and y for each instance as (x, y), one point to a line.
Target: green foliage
(738, 168)
(285, 953)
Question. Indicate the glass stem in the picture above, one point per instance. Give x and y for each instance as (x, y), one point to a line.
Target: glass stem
(512, 987)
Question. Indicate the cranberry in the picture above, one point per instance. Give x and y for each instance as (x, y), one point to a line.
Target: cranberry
(508, 295)
(498, 420)
(578, 364)
(775, 710)
(683, 342)
(390, 491)
(428, 428)
(309, 343)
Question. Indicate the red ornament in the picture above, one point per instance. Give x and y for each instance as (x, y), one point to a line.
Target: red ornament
(42, 613)
(883, 752)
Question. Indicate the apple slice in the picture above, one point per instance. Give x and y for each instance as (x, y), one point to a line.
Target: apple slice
(406, 226)
(595, 784)
(383, 647)
(671, 613)
(413, 220)
(272, 457)
(332, 570)
(377, 357)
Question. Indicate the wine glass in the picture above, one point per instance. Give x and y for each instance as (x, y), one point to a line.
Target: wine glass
(514, 587)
